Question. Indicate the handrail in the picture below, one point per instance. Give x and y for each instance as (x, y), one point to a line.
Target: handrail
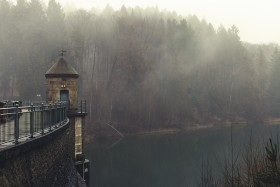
(24, 121)
(83, 106)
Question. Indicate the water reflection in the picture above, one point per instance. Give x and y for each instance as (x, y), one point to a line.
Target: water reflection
(169, 160)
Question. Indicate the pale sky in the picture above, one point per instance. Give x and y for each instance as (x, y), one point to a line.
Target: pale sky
(258, 20)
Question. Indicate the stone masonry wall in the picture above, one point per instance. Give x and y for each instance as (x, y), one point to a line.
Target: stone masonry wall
(53, 86)
(45, 161)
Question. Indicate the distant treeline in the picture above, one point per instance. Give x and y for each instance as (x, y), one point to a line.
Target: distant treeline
(140, 66)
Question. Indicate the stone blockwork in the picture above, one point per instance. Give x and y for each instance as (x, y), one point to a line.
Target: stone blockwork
(56, 84)
(45, 161)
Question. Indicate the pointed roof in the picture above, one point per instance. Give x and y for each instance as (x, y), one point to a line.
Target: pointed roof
(61, 69)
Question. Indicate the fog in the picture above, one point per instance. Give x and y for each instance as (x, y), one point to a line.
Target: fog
(141, 69)
(255, 18)
(144, 66)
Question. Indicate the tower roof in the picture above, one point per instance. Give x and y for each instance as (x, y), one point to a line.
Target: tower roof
(61, 69)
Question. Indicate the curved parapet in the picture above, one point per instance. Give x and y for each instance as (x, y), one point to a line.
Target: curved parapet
(45, 160)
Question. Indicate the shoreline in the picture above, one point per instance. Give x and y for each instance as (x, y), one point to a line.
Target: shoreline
(197, 127)
(166, 131)
(170, 130)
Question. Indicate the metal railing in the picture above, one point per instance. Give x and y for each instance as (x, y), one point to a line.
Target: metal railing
(83, 106)
(18, 123)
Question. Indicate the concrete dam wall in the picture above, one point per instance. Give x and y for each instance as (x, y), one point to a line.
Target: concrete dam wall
(47, 160)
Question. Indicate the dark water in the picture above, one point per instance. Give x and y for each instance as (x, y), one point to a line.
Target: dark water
(173, 160)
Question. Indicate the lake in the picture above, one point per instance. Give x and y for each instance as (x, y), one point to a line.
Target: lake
(170, 160)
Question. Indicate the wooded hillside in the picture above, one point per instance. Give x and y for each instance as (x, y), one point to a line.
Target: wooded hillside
(140, 66)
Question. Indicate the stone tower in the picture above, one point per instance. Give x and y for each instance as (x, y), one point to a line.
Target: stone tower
(61, 83)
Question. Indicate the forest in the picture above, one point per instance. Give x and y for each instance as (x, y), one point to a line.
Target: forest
(140, 68)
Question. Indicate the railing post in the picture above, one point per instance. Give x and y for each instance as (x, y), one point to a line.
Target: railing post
(31, 121)
(85, 106)
(16, 125)
(55, 114)
(50, 116)
(64, 111)
(42, 118)
(37, 117)
(60, 112)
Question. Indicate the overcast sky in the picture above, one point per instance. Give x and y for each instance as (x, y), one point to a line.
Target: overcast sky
(257, 20)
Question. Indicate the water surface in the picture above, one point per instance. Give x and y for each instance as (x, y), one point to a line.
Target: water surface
(170, 160)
